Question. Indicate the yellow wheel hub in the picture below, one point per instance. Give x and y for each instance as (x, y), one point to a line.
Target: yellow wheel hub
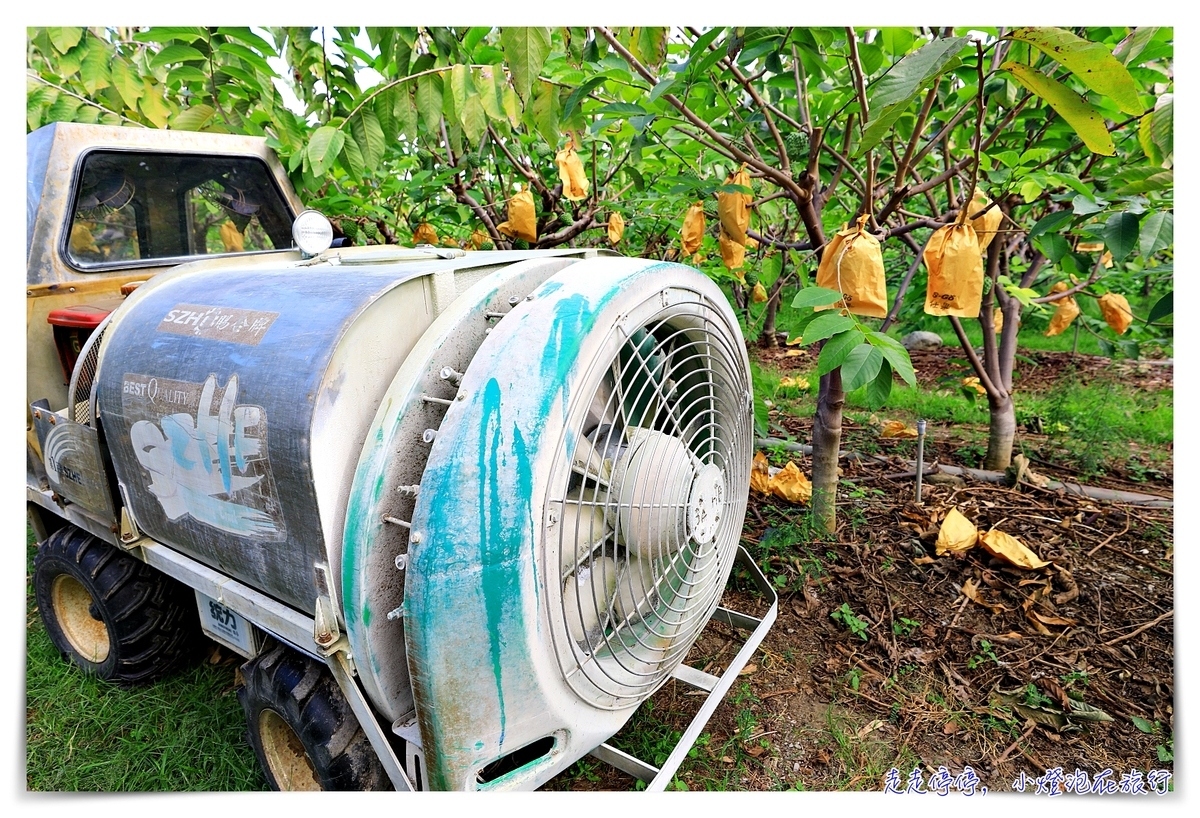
(72, 610)
(289, 763)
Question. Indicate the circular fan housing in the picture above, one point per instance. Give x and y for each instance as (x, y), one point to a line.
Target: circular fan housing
(577, 517)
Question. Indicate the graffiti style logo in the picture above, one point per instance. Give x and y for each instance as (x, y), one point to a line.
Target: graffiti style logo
(208, 462)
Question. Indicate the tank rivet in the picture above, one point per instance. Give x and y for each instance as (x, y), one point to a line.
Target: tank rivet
(401, 561)
(429, 435)
(414, 537)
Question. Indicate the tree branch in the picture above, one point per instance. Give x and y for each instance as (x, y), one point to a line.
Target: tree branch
(731, 150)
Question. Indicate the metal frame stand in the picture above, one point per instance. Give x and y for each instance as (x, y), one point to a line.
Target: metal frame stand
(657, 778)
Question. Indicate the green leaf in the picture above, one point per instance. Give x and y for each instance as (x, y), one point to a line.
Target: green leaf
(64, 38)
(127, 83)
(152, 105)
(429, 101)
(895, 354)
(1146, 139)
(1121, 234)
(1154, 181)
(512, 105)
(94, 69)
(880, 126)
(1091, 63)
(473, 118)
(525, 50)
(1052, 246)
(578, 94)
(1158, 233)
(621, 109)
(1162, 127)
(1132, 46)
(352, 158)
(1030, 190)
(825, 325)
(908, 76)
(661, 88)
(1050, 222)
(63, 109)
(815, 297)
(1142, 724)
(406, 114)
(1078, 113)
(165, 34)
(1083, 206)
(246, 55)
(177, 53)
(834, 352)
(460, 81)
(369, 135)
(323, 148)
(545, 112)
(193, 118)
(248, 37)
(1162, 308)
(489, 83)
(880, 387)
(649, 45)
(183, 74)
(861, 366)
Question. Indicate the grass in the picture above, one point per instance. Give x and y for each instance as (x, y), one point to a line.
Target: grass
(185, 733)
(1088, 426)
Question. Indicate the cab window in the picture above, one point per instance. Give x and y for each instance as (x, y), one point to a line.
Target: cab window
(134, 207)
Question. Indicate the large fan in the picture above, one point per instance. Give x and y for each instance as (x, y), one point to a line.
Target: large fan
(576, 520)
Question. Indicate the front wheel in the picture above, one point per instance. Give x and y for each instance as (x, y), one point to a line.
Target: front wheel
(109, 613)
(301, 727)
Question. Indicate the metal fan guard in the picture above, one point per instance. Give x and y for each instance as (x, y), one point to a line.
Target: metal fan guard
(646, 504)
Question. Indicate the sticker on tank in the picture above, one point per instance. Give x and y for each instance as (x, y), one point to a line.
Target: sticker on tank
(206, 455)
(218, 323)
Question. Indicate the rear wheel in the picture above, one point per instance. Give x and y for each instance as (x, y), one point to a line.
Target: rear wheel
(301, 727)
(112, 614)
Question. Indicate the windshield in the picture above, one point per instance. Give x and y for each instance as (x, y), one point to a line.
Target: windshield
(132, 206)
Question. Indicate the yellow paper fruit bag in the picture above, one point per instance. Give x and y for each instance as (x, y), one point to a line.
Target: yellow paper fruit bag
(1065, 312)
(733, 253)
(759, 294)
(424, 234)
(693, 229)
(734, 208)
(998, 320)
(790, 484)
(231, 237)
(956, 534)
(1010, 549)
(955, 272)
(760, 474)
(1115, 309)
(478, 239)
(616, 227)
(853, 265)
(522, 222)
(570, 171)
(986, 225)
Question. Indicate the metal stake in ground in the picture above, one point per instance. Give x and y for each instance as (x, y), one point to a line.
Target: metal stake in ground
(920, 455)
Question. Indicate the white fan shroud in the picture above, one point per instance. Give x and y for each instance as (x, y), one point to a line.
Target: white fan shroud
(644, 534)
(492, 661)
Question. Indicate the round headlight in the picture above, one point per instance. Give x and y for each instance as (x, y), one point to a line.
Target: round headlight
(312, 233)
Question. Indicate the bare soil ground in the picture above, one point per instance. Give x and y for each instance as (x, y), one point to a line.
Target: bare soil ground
(956, 661)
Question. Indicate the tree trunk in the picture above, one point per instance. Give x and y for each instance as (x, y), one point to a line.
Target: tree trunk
(767, 337)
(1002, 430)
(826, 441)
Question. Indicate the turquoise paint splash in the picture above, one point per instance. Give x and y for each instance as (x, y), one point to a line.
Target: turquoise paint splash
(502, 522)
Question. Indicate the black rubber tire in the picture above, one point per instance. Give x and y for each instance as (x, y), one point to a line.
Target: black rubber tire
(145, 624)
(302, 728)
